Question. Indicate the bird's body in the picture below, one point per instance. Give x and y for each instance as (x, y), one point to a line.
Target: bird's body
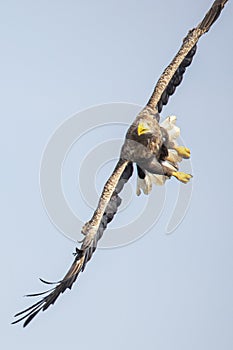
(151, 145)
(143, 148)
(145, 133)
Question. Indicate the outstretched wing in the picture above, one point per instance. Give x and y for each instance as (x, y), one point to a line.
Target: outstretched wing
(109, 202)
(173, 74)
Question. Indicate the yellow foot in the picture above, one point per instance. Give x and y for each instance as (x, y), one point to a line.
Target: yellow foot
(183, 177)
(183, 152)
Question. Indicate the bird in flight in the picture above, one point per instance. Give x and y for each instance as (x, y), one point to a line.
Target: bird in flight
(152, 146)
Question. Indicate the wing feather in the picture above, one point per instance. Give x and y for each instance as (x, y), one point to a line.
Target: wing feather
(82, 255)
(110, 200)
(173, 74)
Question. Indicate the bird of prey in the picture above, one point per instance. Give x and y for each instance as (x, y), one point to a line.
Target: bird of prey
(151, 145)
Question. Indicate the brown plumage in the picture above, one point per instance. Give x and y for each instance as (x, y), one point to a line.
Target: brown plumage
(150, 149)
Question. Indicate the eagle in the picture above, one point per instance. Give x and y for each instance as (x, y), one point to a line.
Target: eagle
(150, 145)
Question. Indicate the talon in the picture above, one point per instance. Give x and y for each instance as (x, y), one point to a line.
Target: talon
(183, 177)
(182, 151)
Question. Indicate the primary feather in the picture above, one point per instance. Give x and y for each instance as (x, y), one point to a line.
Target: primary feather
(152, 160)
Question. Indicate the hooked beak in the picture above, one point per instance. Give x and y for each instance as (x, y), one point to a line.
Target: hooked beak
(142, 129)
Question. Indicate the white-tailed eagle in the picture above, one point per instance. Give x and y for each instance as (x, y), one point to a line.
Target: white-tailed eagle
(148, 144)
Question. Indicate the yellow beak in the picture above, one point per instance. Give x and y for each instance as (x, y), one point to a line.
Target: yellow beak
(142, 129)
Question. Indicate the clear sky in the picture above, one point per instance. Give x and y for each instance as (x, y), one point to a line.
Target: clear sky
(162, 291)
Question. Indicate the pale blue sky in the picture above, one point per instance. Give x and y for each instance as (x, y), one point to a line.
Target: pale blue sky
(163, 291)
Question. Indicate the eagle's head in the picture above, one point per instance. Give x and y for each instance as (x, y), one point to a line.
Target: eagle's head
(147, 128)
